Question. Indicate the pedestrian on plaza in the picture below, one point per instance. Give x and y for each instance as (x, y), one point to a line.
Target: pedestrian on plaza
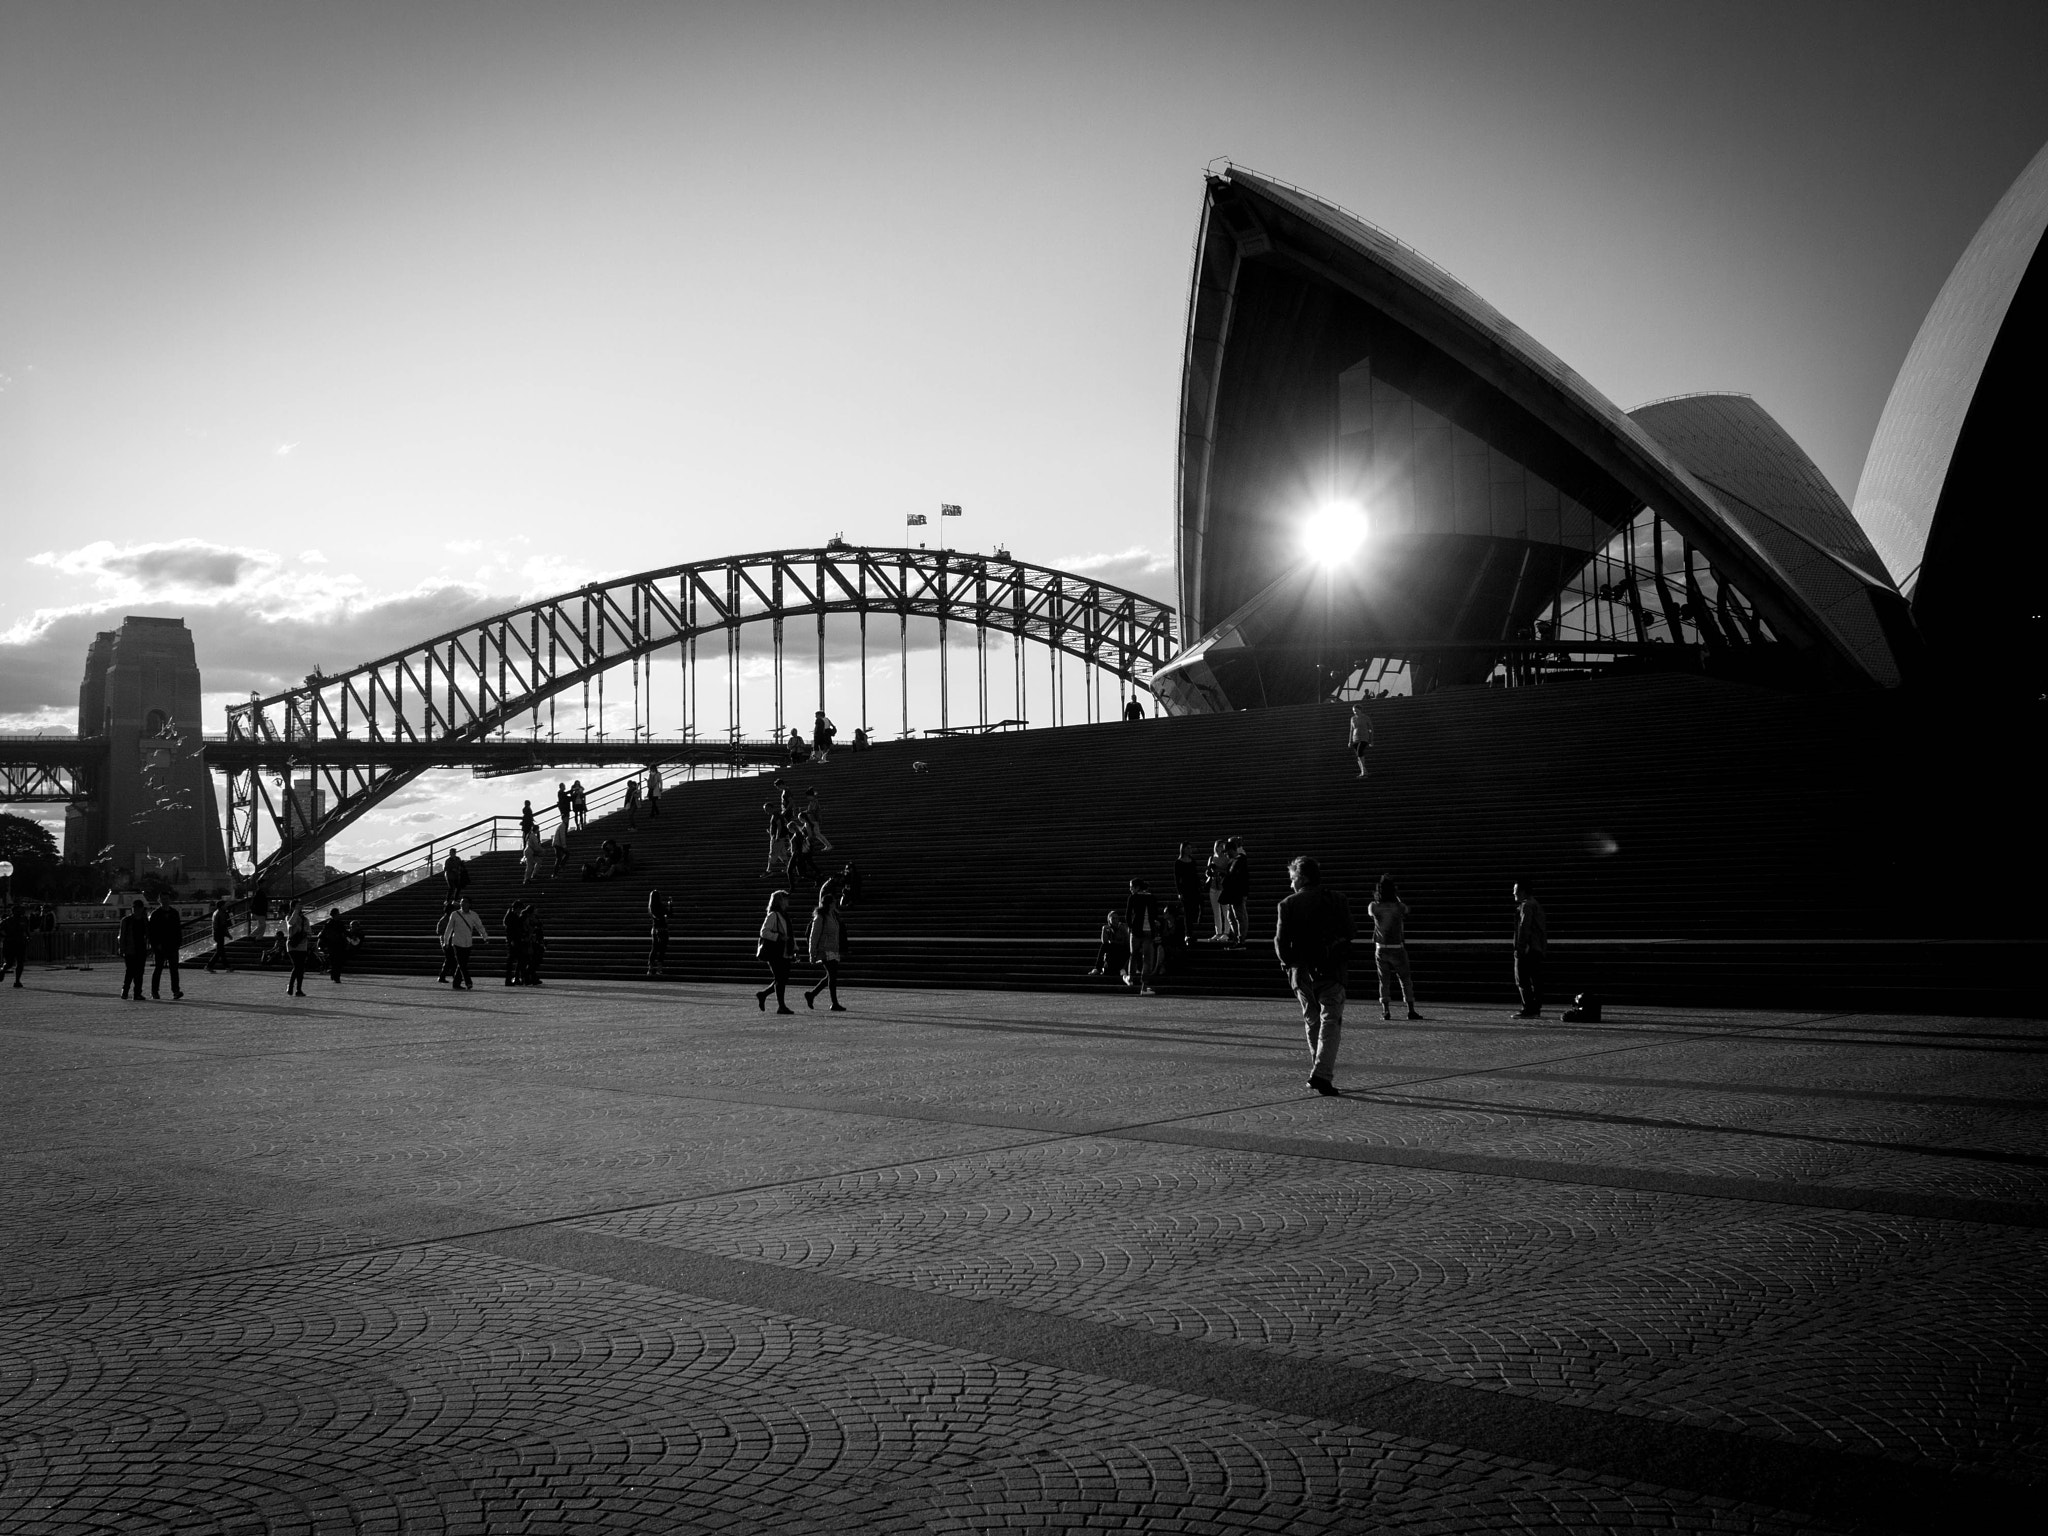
(297, 934)
(134, 942)
(1141, 917)
(166, 933)
(334, 942)
(1532, 938)
(657, 934)
(259, 912)
(223, 929)
(529, 854)
(633, 802)
(814, 824)
(455, 872)
(1360, 737)
(513, 924)
(1390, 946)
(441, 938)
(564, 807)
(561, 841)
(1112, 946)
(1213, 871)
(827, 944)
(1237, 892)
(1312, 938)
(1187, 887)
(823, 733)
(774, 947)
(13, 941)
(654, 790)
(579, 803)
(533, 946)
(461, 929)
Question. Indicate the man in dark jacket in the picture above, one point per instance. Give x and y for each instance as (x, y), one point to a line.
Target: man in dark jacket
(1312, 936)
(333, 938)
(13, 941)
(166, 933)
(134, 950)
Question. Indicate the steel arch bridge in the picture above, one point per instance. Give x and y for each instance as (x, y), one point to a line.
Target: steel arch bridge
(477, 695)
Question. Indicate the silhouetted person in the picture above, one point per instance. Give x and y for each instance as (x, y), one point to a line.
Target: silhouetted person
(799, 749)
(1532, 937)
(579, 803)
(533, 946)
(774, 948)
(823, 733)
(513, 925)
(223, 927)
(564, 806)
(298, 947)
(1134, 710)
(860, 738)
(1390, 946)
(1312, 938)
(455, 872)
(657, 934)
(334, 942)
(561, 844)
(166, 932)
(1112, 945)
(1141, 917)
(654, 790)
(1187, 886)
(259, 912)
(441, 938)
(633, 802)
(134, 941)
(827, 945)
(1237, 892)
(13, 941)
(1360, 737)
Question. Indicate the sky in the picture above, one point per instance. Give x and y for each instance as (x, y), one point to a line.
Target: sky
(329, 326)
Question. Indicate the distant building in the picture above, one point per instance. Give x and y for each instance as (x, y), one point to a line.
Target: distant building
(155, 810)
(1520, 527)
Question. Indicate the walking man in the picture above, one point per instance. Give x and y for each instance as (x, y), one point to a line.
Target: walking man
(134, 950)
(1312, 938)
(223, 926)
(461, 930)
(165, 933)
(1532, 937)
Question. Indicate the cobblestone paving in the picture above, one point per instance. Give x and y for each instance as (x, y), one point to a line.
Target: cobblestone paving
(641, 1258)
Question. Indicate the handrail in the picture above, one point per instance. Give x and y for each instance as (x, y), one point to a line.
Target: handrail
(407, 867)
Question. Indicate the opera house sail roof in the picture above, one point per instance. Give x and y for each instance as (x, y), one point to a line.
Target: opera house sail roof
(1951, 491)
(1520, 522)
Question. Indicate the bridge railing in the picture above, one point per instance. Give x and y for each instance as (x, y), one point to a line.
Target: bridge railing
(487, 834)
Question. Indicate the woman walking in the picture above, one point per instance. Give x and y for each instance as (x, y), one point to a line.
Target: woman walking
(814, 821)
(1390, 946)
(298, 943)
(828, 939)
(774, 947)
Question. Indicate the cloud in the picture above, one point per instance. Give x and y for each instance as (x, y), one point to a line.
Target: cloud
(312, 557)
(1136, 569)
(148, 570)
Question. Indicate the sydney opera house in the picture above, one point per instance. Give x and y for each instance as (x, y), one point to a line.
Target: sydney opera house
(1384, 484)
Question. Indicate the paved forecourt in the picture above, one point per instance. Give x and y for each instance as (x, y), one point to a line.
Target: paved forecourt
(609, 1256)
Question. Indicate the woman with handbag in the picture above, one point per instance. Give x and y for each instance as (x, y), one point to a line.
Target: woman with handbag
(298, 943)
(774, 947)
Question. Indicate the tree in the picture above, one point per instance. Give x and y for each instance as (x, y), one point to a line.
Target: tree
(27, 844)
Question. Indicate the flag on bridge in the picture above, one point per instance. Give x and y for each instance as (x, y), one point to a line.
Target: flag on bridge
(915, 520)
(947, 509)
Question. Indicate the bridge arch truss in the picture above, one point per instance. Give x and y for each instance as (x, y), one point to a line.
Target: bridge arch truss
(465, 696)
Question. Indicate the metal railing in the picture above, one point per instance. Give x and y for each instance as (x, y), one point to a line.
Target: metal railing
(347, 892)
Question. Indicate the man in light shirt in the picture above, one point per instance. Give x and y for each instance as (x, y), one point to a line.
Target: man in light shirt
(459, 931)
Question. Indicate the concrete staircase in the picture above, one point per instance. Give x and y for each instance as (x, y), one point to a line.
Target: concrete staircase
(1693, 842)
